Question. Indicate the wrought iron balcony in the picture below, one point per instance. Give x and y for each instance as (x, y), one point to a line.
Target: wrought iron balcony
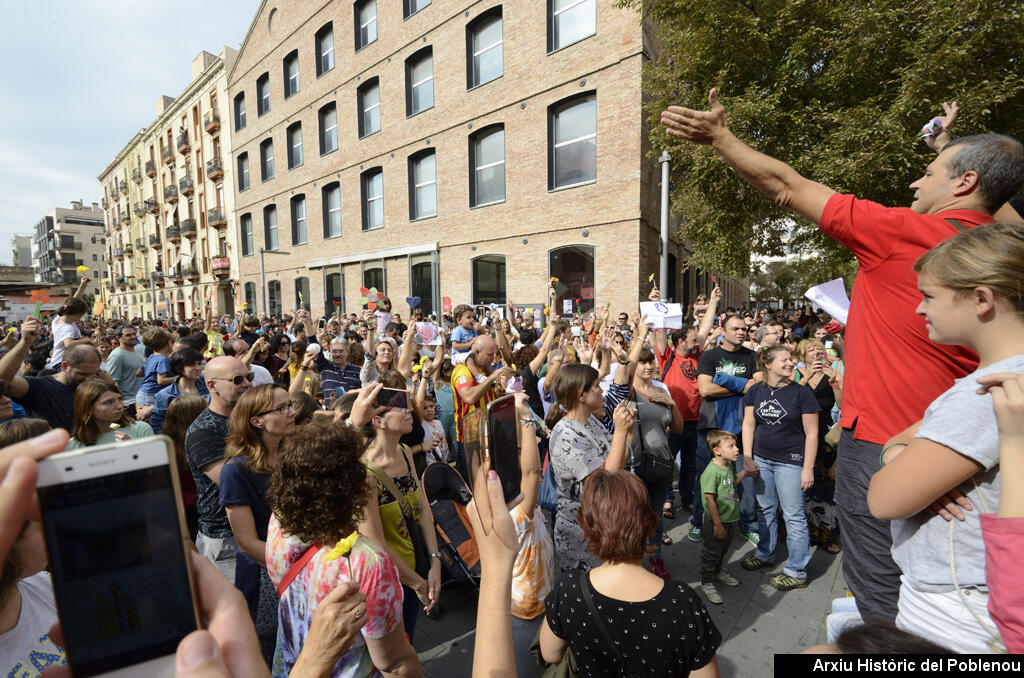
(211, 121)
(171, 193)
(152, 206)
(186, 186)
(150, 169)
(137, 175)
(188, 228)
(222, 267)
(216, 218)
(167, 155)
(183, 145)
(214, 169)
(173, 233)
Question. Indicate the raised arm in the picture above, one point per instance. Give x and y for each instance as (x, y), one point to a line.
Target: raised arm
(82, 284)
(774, 178)
(709, 316)
(408, 351)
(12, 360)
(548, 340)
(625, 376)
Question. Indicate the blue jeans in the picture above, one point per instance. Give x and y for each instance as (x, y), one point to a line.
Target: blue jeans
(657, 494)
(744, 490)
(684, 448)
(779, 483)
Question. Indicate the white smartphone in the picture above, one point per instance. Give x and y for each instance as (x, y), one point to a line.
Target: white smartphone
(117, 540)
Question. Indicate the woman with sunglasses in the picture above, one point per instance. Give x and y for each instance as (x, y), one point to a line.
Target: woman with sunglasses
(188, 365)
(261, 418)
(389, 464)
(280, 347)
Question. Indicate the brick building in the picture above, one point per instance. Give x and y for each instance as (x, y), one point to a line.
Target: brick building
(468, 150)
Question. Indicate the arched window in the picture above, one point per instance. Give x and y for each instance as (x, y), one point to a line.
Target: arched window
(302, 293)
(489, 279)
(332, 294)
(274, 297)
(573, 265)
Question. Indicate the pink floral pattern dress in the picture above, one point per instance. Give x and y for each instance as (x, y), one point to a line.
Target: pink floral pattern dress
(370, 566)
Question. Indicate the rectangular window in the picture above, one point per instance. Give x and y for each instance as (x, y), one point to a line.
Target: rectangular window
(243, 171)
(366, 23)
(485, 48)
(487, 167)
(248, 247)
(263, 94)
(571, 21)
(572, 145)
(270, 226)
(267, 159)
(413, 6)
(423, 185)
(240, 111)
(373, 198)
(369, 107)
(299, 220)
(419, 82)
(331, 198)
(250, 296)
(290, 66)
(328, 116)
(325, 49)
(294, 145)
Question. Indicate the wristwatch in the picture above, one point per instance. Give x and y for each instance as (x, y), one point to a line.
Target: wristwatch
(436, 554)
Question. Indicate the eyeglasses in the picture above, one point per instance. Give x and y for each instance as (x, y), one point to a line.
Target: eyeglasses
(236, 380)
(284, 409)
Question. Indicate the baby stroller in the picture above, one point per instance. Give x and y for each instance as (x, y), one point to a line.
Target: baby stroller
(448, 495)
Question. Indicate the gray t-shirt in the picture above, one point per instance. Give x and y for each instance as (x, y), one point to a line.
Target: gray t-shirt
(961, 420)
(123, 366)
(27, 649)
(653, 420)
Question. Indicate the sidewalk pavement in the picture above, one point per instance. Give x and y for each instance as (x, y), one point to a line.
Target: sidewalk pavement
(756, 620)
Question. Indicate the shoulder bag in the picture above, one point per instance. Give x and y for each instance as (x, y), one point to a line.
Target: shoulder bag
(419, 544)
(650, 468)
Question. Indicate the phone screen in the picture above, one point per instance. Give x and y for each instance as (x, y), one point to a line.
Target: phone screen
(118, 568)
(393, 397)
(503, 445)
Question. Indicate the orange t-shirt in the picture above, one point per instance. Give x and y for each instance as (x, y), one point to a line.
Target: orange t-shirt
(532, 577)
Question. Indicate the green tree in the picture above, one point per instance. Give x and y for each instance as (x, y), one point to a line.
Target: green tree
(836, 88)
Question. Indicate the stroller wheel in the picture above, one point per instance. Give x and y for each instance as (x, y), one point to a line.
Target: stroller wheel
(436, 612)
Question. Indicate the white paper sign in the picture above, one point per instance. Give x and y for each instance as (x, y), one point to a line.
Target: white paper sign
(661, 315)
(427, 334)
(831, 296)
(567, 306)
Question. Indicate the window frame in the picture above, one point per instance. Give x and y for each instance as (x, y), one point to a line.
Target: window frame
(248, 244)
(293, 204)
(361, 91)
(267, 160)
(413, 162)
(302, 288)
(238, 108)
(327, 211)
(474, 139)
(552, 22)
(290, 131)
(474, 27)
(414, 60)
(357, 6)
(365, 178)
(291, 59)
(263, 95)
(322, 131)
(554, 110)
(503, 287)
(242, 169)
(271, 230)
(318, 49)
(408, 11)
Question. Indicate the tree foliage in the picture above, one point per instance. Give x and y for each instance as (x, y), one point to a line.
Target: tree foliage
(836, 88)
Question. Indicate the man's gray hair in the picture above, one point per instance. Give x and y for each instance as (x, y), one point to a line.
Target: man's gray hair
(999, 162)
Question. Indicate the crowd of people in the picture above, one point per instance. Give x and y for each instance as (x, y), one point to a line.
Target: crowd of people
(302, 444)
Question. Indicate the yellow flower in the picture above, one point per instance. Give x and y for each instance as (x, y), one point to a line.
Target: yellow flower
(342, 548)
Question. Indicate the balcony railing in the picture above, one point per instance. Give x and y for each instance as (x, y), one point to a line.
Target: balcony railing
(152, 206)
(141, 245)
(188, 228)
(157, 277)
(167, 155)
(214, 169)
(150, 169)
(69, 245)
(222, 267)
(154, 240)
(128, 249)
(137, 175)
(122, 185)
(103, 203)
(216, 218)
(192, 272)
(139, 209)
(173, 233)
(186, 186)
(171, 193)
(211, 121)
(183, 145)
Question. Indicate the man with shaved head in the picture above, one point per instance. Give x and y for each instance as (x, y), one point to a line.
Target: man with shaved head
(470, 393)
(53, 397)
(227, 378)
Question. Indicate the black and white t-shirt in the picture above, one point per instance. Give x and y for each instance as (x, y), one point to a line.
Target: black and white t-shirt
(204, 445)
(669, 635)
(779, 429)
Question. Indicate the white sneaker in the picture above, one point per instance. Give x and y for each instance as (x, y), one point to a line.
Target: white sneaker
(727, 578)
(711, 593)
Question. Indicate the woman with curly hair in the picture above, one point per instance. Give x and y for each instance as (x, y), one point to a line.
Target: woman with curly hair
(100, 417)
(261, 418)
(313, 547)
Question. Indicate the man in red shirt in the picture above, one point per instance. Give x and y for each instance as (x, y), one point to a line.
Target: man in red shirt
(892, 370)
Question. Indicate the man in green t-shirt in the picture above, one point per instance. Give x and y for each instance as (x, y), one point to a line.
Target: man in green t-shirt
(721, 512)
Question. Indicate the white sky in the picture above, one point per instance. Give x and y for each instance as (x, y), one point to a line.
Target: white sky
(80, 78)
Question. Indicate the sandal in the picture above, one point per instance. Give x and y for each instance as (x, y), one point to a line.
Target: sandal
(832, 548)
(668, 513)
(665, 539)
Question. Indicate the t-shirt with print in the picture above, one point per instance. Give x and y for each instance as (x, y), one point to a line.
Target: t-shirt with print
(576, 451)
(204, 445)
(681, 380)
(532, 573)
(961, 420)
(739, 363)
(778, 423)
(26, 650)
(214, 344)
(50, 399)
(462, 379)
(156, 364)
(668, 636)
(366, 563)
(720, 482)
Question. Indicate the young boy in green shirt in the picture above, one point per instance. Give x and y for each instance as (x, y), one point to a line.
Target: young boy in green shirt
(721, 512)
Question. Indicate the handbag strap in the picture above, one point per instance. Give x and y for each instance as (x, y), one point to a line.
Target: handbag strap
(668, 364)
(599, 623)
(298, 566)
(388, 482)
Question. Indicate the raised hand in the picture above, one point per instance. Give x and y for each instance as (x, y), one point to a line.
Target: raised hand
(698, 127)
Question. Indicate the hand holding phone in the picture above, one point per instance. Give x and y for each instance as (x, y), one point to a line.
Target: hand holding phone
(393, 397)
(498, 447)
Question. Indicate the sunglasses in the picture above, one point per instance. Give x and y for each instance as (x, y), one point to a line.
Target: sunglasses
(284, 409)
(236, 380)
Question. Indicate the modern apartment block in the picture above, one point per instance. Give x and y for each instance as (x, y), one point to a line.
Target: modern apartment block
(171, 243)
(446, 149)
(21, 250)
(67, 238)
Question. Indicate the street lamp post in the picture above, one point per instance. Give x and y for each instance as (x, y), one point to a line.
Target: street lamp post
(664, 159)
(263, 276)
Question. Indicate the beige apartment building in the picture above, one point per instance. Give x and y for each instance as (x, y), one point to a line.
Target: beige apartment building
(171, 244)
(68, 238)
(447, 150)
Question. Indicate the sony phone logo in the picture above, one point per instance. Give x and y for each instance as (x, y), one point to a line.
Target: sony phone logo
(102, 462)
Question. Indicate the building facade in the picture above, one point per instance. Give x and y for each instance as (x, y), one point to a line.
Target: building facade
(171, 245)
(451, 151)
(21, 250)
(67, 238)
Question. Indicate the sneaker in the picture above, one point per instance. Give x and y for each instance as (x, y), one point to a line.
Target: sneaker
(784, 582)
(657, 566)
(695, 534)
(727, 578)
(752, 537)
(754, 563)
(711, 593)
